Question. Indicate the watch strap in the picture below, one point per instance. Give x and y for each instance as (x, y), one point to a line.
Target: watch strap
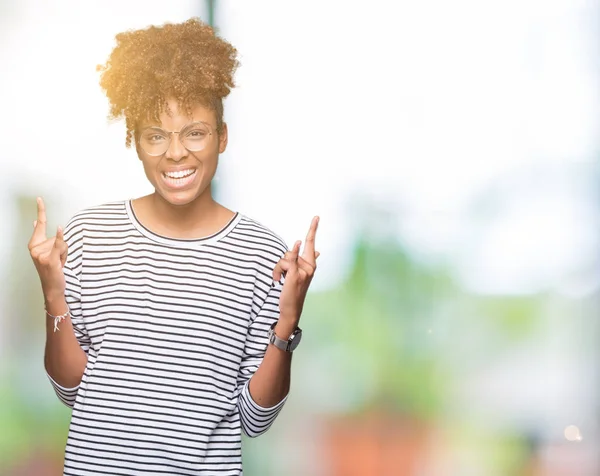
(282, 344)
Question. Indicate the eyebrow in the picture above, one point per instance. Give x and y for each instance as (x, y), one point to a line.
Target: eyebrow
(148, 125)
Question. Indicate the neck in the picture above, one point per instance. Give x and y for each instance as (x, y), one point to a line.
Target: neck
(199, 218)
(182, 217)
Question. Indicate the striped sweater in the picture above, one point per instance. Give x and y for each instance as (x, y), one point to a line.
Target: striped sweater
(174, 330)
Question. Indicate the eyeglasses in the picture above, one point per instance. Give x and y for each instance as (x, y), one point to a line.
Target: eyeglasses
(194, 137)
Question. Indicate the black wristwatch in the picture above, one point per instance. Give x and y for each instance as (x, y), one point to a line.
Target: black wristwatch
(286, 345)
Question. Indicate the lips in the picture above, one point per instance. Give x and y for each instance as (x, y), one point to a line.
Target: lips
(177, 179)
(179, 174)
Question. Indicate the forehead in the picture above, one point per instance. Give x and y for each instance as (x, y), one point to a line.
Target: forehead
(174, 116)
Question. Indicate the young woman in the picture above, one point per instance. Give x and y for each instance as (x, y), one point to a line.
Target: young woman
(171, 319)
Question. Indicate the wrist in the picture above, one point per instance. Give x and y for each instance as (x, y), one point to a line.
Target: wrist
(289, 317)
(285, 335)
(54, 300)
(285, 327)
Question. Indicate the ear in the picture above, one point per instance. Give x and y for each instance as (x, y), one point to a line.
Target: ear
(223, 139)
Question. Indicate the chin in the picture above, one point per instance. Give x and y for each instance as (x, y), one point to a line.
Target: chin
(180, 198)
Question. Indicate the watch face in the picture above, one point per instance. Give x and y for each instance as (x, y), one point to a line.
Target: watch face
(295, 340)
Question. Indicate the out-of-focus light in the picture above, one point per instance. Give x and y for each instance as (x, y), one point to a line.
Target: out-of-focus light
(572, 433)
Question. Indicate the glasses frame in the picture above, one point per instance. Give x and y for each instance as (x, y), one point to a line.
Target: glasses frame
(170, 135)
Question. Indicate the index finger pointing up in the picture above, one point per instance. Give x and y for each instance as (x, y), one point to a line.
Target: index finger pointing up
(40, 227)
(309, 245)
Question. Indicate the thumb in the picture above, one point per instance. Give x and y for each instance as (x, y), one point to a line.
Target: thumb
(60, 246)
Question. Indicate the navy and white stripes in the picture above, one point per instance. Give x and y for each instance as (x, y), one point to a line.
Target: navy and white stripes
(173, 330)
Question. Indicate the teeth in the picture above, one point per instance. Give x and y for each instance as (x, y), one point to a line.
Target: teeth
(179, 174)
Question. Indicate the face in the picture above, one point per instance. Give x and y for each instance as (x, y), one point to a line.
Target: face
(181, 176)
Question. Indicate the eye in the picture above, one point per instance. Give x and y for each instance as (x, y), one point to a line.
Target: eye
(153, 136)
(196, 133)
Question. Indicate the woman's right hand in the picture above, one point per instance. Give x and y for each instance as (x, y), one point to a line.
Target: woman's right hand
(49, 256)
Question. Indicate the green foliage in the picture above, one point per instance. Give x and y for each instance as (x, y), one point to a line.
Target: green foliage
(27, 425)
(517, 316)
(380, 317)
(388, 326)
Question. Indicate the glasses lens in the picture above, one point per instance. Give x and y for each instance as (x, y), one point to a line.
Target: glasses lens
(154, 141)
(195, 136)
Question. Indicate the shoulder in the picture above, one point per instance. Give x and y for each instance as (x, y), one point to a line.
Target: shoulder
(95, 217)
(99, 212)
(260, 237)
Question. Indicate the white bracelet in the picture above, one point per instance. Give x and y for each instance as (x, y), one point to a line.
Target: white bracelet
(58, 319)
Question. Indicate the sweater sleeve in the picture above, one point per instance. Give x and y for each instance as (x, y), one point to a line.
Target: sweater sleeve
(72, 271)
(255, 419)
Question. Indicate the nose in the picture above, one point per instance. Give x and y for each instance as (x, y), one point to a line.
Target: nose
(176, 150)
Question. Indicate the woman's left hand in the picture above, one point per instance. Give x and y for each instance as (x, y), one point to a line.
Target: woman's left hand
(298, 271)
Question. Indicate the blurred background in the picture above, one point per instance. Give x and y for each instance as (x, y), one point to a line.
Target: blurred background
(452, 152)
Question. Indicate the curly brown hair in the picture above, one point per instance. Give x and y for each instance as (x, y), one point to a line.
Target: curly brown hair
(184, 61)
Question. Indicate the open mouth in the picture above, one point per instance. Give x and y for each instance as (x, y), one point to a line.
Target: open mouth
(179, 178)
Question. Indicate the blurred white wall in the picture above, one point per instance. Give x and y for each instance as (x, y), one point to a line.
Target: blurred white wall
(425, 106)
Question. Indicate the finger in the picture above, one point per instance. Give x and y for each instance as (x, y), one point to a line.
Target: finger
(39, 233)
(61, 245)
(41, 215)
(294, 252)
(42, 249)
(287, 262)
(309, 245)
(58, 250)
(307, 267)
(290, 255)
(282, 267)
(317, 254)
(33, 242)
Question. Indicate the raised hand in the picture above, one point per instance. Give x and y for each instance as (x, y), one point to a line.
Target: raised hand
(49, 256)
(298, 271)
